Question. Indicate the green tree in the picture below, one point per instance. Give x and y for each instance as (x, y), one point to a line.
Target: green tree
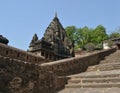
(99, 34)
(115, 35)
(85, 35)
(82, 36)
(71, 32)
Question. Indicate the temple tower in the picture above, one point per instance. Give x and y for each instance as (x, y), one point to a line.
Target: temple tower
(54, 45)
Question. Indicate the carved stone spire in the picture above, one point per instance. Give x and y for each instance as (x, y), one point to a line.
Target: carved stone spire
(34, 39)
(56, 14)
(54, 28)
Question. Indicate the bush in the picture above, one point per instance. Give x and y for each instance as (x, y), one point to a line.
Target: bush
(99, 46)
(110, 43)
(90, 47)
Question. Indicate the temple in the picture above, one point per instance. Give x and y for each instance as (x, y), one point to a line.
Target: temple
(54, 45)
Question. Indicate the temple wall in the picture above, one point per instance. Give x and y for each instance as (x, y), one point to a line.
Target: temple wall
(8, 51)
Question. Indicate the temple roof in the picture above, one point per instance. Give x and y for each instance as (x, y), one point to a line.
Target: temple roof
(54, 27)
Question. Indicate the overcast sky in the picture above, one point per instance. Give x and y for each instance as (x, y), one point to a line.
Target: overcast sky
(20, 19)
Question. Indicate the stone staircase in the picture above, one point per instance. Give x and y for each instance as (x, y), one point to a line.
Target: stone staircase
(101, 78)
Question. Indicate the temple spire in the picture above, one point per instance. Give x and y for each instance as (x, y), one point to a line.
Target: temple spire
(55, 14)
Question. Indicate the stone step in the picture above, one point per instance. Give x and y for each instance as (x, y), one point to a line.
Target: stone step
(115, 56)
(97, 74)
(104, 67)
(93, 85)
(94, 80)
(90, 90)
(109, 61)
(101, 78)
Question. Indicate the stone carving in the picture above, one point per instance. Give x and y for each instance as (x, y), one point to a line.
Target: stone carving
(15, 85)
(55, 41)
(3, 40)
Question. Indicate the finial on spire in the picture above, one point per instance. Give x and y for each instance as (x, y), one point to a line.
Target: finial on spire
(55, 14)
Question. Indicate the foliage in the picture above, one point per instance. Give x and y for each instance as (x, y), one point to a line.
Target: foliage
(99, 34)
(85, 35)
(71, 31)
(99, 46)
(90, 47)
(110, 43)
(114, 35)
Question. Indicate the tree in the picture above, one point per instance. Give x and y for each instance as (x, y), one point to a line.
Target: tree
(99, 34)
(85, 35)
(71, 31)
(82, 36)
(115, 35)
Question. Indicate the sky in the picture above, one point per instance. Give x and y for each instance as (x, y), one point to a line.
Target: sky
(21, 19)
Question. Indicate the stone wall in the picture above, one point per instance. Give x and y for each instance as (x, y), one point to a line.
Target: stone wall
(76, 64)
(8, 51)
(73, 66)
(19, 77)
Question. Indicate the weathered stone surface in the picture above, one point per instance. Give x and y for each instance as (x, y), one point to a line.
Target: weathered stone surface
(19, 74)
(19, 77)
(14, 53)
(110, 62)
(90, 90)
(104, 77)
(76, 65)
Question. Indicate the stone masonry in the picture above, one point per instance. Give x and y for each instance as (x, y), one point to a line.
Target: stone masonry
(101, 78)
(21, 75)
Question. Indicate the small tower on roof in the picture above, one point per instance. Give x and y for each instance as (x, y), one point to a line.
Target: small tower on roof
(33, 41)
(54, 45)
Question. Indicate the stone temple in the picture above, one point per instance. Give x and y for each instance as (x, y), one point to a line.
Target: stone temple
(54, 45)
